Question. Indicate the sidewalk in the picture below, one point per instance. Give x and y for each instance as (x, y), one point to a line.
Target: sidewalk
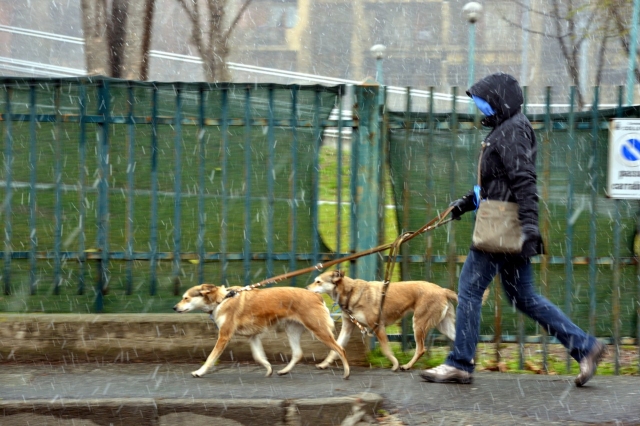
(235, 394)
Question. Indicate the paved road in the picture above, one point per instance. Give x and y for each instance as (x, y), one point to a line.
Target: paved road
(493, 399)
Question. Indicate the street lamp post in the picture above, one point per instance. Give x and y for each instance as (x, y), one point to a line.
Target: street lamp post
(378, 52)
(472, 12)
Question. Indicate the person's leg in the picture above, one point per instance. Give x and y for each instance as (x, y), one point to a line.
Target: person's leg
(477, 273)
(517, 280)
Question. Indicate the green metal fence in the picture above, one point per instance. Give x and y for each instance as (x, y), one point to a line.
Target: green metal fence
(117, 189)
(591, 268)
(119, 195)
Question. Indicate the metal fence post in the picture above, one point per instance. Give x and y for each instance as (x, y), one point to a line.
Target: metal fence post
(103, 196)
(82, 180)
(8, 165)
(593, 228)
(615, 291)
(271, 142)
(367, 178)
(33, 160)
(568, 259)
(315, 192)
(451, 249)
(201, 164)
(293, 241)
(247, 178)
(224, 263)
(544, 219)
(177, 208)
(130, 188)
(153, 231)
(57, 263)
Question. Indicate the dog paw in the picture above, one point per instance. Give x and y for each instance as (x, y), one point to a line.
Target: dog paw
(405, 367)
(197, 373)
(282, 372)
(322, 366)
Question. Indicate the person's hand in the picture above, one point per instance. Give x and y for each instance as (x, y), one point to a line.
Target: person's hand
(457, 208)
(532, 241)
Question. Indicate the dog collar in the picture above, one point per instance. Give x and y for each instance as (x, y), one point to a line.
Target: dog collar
(232, 293)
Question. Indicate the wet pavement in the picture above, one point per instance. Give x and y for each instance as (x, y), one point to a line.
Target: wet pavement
(493, 399)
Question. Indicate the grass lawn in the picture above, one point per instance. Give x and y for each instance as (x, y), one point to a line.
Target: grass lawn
(507, 359)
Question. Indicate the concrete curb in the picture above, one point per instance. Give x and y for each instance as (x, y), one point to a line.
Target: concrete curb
(72, 338)
(157, 412)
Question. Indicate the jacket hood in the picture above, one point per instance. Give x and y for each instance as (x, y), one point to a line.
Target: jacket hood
(502, 92)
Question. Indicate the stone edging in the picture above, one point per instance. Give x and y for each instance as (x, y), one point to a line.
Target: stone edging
(158, 411)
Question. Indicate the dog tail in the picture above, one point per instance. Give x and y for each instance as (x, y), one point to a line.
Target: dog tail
(452, 296)
(447, 324)
(485, 295)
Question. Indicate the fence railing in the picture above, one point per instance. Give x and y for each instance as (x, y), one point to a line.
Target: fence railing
(591, 267)
(115, 189)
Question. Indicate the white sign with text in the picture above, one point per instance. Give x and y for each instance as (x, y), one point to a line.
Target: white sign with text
(624, 159)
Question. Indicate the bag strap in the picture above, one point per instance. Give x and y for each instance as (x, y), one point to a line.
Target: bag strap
(477, 189)
(480, 162)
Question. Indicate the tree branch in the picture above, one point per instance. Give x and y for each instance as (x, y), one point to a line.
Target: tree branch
(529, 30)
(623, 40)
(235, 21)
(195, 22)
(146, 39)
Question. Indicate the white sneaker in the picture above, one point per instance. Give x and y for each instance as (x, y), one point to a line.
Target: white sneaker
(589, 363)
(447, 374)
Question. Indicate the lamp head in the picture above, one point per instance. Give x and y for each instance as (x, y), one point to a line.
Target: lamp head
(472, 11)
(378, 50)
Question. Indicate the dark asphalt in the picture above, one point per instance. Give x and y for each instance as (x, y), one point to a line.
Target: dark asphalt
(494, 398)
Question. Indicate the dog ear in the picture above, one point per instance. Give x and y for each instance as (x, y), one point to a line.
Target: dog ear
(337, 276)
(207, 289)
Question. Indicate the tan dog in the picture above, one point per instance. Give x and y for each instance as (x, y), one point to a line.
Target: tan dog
(431, 305)
(251, 313)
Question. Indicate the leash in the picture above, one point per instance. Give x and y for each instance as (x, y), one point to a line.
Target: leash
(432, 224)
(389, 272)
(395, 249)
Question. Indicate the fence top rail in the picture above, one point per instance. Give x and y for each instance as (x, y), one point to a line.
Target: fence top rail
(116, 82)
(622, 112)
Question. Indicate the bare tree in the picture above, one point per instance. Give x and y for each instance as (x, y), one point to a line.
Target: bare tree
(621, 12)
(571, 24)
(210, 33)
(118, 37)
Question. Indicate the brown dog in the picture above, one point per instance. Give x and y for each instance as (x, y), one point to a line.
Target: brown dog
(431, 305)
(251, 313)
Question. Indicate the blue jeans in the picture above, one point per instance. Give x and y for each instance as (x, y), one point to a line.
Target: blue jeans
(516, 274)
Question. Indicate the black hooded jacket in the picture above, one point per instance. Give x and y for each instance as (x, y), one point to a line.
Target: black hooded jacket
(508, 167)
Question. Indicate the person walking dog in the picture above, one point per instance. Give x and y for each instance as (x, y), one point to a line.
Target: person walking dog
(507, 173)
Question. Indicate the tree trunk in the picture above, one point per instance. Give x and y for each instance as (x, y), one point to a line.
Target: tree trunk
(94, 24)
(212, 39)
(133, 55)
(146, 39)
(117, 43)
